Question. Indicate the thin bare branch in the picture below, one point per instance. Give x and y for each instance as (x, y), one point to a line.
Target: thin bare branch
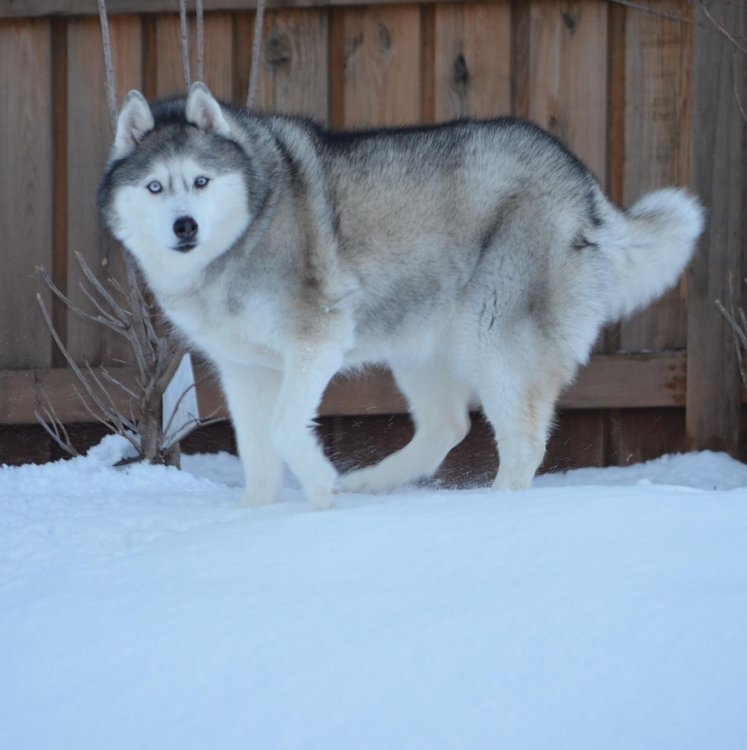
(719, 26)
(112, 423)
(53, 430)
(112, 407)
(185, 42)
(653, 11)
(106, 375)
(734, 77)
(109, 412)
(259, 22)
(117, 309)
(54, 427)
(104, 317)
(143, 324)
(61, 346)
(200, 41)
(105, 320)
(738, 331)
(170, 422)
(111, 81)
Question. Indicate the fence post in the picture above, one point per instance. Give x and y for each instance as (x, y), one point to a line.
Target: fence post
(719, 178)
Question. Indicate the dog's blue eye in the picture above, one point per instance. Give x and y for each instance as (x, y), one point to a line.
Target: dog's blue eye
(155, 187)
(201, 182)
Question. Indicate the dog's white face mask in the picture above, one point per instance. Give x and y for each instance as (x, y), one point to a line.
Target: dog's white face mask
(179, 206)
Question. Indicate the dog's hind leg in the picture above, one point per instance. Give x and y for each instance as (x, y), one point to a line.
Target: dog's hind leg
(439, 407)
(520, 409)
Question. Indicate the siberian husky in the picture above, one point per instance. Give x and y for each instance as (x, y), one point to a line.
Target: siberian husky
(477, 259)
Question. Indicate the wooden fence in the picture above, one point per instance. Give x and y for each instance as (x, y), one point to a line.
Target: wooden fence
(647, 98)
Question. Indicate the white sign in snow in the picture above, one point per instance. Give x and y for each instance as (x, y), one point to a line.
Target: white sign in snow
(180, 408)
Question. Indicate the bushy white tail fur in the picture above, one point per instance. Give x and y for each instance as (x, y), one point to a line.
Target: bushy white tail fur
(649, 247)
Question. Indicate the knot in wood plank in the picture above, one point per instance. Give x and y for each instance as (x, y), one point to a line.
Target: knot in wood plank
(384, 37)
(461, 73)
(278, 49)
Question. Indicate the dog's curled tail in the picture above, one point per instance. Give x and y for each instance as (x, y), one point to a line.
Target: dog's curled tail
(650, 246)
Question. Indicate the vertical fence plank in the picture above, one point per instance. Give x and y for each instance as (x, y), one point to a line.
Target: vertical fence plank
(243, 36)
(26, 189)
(566, 83)
(294, 63)
(719, 158)
(219, 54)
(657, 148)
(472, 60)
(167, 56)
(568, 75)
(89, 140)
(381, 65)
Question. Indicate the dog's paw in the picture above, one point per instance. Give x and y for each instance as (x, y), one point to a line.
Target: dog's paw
(511, 483)
(322, 497)
(367, 481)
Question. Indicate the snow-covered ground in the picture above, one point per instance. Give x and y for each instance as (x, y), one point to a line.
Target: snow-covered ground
(602, 609)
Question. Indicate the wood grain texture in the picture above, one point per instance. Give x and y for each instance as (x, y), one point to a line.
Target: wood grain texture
(609, 381)
(294, 63)
(243, 36)
(381, 66)
(219, 54)
(26, 190)
(657, 145)
(720, 155)
(35, 8)
(167, 55)
(472, 60)
(568, 75)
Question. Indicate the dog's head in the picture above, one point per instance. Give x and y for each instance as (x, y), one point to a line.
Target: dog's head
(176, 188)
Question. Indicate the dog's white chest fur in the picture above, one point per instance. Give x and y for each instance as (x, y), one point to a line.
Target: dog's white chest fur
(247, 338)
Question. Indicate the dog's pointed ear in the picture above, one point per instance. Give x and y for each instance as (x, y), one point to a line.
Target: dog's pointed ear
(205, 112)
(134, 122)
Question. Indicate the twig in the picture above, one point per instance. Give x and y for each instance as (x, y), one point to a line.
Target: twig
(259, 22)
(738, 328)
(106, 375)
(112, 423)
(185, 42)
(652, 11)
(104, 319)
(719, 26)
(112, 408)
(737, 98)
(200, 41)
(119, 311)
(111, 81)
(713, 25)
(739, 339)
(54, 426)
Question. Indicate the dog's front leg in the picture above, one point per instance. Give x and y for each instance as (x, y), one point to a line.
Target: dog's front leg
(252, 393)
(308, 370)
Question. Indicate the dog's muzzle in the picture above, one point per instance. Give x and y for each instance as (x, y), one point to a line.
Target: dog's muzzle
(185, 229)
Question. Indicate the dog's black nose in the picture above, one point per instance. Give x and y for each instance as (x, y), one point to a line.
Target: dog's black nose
(185, 228)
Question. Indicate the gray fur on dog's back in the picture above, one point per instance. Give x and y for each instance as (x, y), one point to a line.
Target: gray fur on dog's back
(424, 217)
(477, 259)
